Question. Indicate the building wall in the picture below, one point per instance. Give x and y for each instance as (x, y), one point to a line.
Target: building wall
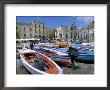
(76, 34)
(25, 31)
(34, 30)
(67, 33)
(70, 33)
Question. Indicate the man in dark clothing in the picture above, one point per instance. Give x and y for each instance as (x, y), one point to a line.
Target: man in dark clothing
(31, 45)
(73, 54)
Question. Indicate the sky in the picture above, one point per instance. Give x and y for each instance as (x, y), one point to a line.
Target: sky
(55, 21)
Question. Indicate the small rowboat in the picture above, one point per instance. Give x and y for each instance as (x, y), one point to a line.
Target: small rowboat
(37, 63)
(60, 58)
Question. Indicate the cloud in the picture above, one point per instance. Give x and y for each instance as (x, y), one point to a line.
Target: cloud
(83, 21)
(85, 18)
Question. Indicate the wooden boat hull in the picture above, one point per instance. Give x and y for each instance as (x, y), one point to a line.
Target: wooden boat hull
(31, 69)
(65, 62)
(53, 67)
(62, 60)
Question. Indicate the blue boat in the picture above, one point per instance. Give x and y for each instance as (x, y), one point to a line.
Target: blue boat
(86, 55)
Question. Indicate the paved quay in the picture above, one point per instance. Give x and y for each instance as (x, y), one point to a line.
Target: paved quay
(81, 68)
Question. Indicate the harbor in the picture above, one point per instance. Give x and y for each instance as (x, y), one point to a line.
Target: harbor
(62, 46)
(82, 66)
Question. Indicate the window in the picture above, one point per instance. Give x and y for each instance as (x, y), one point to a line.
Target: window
(35, 26)
(66, 35)
(81, 35)
(16, 28)
(39, 35)
(30, 29)
(39, 31)
(24, 35)
(24, 29)
(35, 36)
(71, 34)
(60, 35)
(76, 34)
(71, 28)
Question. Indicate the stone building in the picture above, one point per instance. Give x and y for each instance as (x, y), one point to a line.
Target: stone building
(49, 33)
(36, 30)
(74, 34)
(90, 29)
(71, 33)
(66, 33)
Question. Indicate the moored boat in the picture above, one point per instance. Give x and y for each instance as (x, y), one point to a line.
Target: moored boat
(59, 57)
(37, 63)
(86, 55)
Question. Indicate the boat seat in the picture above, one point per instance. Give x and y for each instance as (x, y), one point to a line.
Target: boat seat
(30, 61)
(26, 57)
(31, 56)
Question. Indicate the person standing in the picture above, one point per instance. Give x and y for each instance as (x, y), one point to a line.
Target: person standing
(31, 45)
(73, 54)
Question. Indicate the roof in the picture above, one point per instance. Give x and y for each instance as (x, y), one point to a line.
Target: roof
(22, 23)
(38, 22)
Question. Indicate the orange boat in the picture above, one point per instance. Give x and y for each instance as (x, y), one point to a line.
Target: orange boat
(61, 44)
(37, 63)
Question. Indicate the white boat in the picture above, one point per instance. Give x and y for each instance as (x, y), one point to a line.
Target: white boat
(37, 63)
(85, 54)
(59, 57)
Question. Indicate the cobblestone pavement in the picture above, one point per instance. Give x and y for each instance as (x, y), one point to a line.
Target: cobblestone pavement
(80, 68)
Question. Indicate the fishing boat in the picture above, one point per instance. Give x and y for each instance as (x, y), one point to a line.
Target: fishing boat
(62, 44)
(86, 55)
(60, 58)
(37, 63)
(45, 43)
